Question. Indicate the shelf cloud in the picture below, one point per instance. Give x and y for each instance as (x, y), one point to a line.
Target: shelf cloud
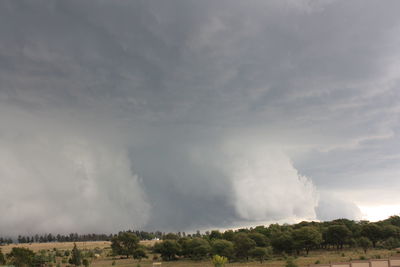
(184, 115)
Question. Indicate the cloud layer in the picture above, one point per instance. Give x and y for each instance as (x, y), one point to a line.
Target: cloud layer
(178, 115)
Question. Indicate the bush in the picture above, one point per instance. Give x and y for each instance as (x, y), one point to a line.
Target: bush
(113, 263)
(317, 262)
(290, 263)
(219, 261)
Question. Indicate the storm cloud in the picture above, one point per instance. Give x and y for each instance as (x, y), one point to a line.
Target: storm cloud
(185, 115)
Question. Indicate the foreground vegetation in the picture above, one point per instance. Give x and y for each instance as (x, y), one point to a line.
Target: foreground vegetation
(305, 243)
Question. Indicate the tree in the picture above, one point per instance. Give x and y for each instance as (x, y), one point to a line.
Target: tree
(215, 234)
(21, 257)
(85, 262)
(391, 243)
(260, 253)
(76, 257)
(337, 235)
(223, 248)
(139, 253)
(125, 243)
(196, 248)
(373, 232)
(307, 237)
(219, 261)
(171, 236)
(228, 235)
(168, 249)
(364, 243)
(260, 239)
(282, 242)
(2, 258)
(243, 244)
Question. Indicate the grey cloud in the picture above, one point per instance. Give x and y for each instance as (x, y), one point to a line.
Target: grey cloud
(159, 91)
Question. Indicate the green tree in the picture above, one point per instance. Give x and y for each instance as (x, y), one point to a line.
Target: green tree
(2, 258)
(171, 236)
(21, 257)
(76, 257)
(307, 238)
(364, 243)
(215, 234)
(243, 244)
(282, 242)
(260, 239)
(372, 231)
(125, 243)
(338, 235)
(391, 243)
(223, 248)
(139, 253)
(228, 235)
(260, 253)
(219, 261)
(168, 249)
(196, 248)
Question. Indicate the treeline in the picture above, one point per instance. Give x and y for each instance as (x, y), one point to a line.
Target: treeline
(262, 242)
(75, 237)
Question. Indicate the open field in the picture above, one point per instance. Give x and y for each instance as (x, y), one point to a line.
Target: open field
(67, 245)
(58, 245)
(302, 261)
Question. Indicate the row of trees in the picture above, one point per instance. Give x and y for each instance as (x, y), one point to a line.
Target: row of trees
(24, 257)
(74, 237)
(261, 241)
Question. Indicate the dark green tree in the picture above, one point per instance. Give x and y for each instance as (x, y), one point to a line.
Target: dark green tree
(21, 257)
(125, 243)
(364, 243)
(260, 239)
(168, 249)
(196, 248)
(2, 258)
(282, 242)
(139, 253)
(260, 253)
(243, 244)
(215, 234)
(76, 257)
(372, 231)
(307, 238)
(223, 248)
(337, 235)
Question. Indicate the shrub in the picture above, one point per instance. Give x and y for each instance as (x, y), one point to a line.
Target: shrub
(290, 263)
(219, 261)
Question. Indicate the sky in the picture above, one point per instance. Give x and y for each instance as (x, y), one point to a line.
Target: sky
(178, 115)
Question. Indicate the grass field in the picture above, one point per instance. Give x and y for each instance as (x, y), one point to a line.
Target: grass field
(302, 261)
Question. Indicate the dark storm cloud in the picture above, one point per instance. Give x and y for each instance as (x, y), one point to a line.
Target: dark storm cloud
(193, 114)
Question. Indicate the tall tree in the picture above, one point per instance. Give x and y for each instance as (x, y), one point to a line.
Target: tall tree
(76, 257)
(125, 243)
(243, 244)
(307, 237)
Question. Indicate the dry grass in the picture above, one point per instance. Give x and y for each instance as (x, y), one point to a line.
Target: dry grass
(58, 245)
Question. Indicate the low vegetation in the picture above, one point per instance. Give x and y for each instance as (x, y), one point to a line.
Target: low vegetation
(276, 245)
